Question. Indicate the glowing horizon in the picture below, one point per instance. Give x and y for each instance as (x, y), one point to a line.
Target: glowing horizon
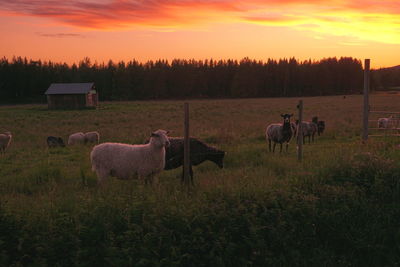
(220, 29)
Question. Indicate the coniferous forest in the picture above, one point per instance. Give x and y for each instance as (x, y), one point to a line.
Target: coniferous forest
(24, 80)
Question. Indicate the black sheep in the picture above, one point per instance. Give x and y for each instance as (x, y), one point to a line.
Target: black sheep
(320, 125)
(53, 141)
(199, 152)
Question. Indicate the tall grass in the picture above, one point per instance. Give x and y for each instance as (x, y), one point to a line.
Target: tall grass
(339, 207)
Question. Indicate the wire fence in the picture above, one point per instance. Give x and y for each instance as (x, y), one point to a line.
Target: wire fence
(377, 123)
(384, 123)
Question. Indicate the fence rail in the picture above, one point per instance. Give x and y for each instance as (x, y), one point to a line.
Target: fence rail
(382, 135)
(385, 112)
(395, 119)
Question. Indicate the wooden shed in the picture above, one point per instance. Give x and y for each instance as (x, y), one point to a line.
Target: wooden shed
(71, 95)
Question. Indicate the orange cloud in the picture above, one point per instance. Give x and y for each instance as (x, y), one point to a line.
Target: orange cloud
(120, 13)
(370, 20)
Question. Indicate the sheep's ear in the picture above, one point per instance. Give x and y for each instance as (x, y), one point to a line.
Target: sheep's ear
(166, 132)
(154, 135)
(291, 115)
(282, 115)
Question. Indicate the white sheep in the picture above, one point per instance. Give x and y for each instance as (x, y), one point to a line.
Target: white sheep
(5, 140)
(92, 137)
(280, 133)
(389, 122)
(126, 161)
(76, 138)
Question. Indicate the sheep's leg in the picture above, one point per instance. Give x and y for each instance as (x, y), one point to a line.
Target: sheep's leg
(148, 179)
(183, 175)
(142, 178)
(101, 176)
(152, 179)
(287, 146)
(280, 151)
(273, 148)
(269, 144)
(191, 174)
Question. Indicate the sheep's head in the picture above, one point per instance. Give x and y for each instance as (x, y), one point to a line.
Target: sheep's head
(160, 138)
(286, 117)
(315, 119)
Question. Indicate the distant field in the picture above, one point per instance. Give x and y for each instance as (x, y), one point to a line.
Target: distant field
(339, 207)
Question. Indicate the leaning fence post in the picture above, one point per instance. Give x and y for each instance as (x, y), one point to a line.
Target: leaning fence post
(186, 147)
(366, 100)
(300, 132)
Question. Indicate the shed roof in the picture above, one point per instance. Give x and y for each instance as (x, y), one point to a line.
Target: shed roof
(69, 88)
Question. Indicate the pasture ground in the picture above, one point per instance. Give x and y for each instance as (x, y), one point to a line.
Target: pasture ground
(339, 207)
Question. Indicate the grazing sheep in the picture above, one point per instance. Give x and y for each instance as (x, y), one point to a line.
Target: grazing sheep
(280, 133)
(92, 137)
(5, 140)
(76, 138)
(125, 161)
(320, 125)
(199, 152)
(308, 129)
(53, 141)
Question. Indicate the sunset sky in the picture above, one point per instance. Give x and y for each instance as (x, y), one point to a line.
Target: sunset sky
(68, 31)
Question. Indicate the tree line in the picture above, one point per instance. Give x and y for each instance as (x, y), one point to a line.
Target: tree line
(26, 80)
(387, 78)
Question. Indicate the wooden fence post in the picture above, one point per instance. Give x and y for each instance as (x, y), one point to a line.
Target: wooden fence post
(300, 132)
(366, 100)
(186, 147)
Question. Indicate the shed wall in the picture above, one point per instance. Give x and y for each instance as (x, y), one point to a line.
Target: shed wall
(66, 101)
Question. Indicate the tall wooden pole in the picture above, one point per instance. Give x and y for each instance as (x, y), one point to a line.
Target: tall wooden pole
(366, 100)
(186, 147)
(300, 132)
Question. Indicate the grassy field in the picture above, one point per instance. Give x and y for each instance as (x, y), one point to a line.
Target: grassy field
(339, 207)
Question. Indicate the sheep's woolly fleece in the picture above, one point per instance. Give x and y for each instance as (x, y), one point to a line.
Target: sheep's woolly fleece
(126, 161)
(76, 138)
(92, 137)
